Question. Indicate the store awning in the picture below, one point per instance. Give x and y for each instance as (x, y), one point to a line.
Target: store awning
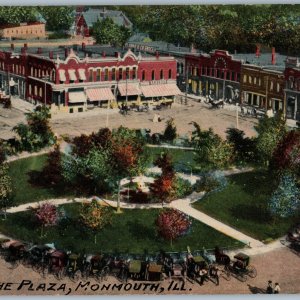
(72, 75)
(129, 89)
(62, 75)
(77, 97)
(82, 74)
(160, 90)
(99, 94)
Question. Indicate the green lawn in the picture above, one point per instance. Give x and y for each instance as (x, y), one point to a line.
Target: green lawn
(243, 205)
(132, 231)
(183, 159)
(26, 192)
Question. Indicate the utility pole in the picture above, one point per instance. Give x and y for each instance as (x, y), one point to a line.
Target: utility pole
(186, 85)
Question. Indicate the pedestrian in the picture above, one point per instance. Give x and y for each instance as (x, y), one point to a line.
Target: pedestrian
(270, 287)
(276, 288)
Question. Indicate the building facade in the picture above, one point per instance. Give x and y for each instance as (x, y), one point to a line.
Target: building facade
(24, 31)
(292, 89)
(216, 74)
(72, 81)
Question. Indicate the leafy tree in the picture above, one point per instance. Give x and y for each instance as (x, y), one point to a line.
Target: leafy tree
(270, 131)
(243, 147)
(211, 150)
(107, 32)
(17, 14)
(164, 187)
(57, 17)
(47, 214)
(285, 201)
(286, 156)
(94, 216)
(172, 224)
(2, 152)
(170, 132)
(5, 187)
(37, 133)
(52, 172)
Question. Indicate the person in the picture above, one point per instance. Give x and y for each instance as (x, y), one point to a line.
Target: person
(203, 275)
(191, 273)
(214, 274)
(276, 288)
(270, 287)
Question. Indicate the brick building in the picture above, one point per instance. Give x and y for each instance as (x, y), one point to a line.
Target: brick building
(216, 74)
(72, 80)
(23, 30)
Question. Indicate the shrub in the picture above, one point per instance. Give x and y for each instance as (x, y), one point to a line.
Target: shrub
(182, 187)
(209, 182)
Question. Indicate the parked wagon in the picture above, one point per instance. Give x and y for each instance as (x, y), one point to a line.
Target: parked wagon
(76, 266)
(15, 252)
(96, 266)
(241, 267)
(57, 264)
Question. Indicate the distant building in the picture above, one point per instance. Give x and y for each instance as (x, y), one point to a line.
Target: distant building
(73, 80)
(23, 31)
(84, 20)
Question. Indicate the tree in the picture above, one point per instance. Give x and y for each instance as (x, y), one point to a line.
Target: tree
(243, 147)
(37, 133)
(94, 216)
(211, 150)
(170, 132)
(164, 187)
(47, 214)
(52, 172)
(270, 131)
(17, 14)
(5, 187)
(172, 223)
(285, 201)
(286, 156)
(107, 32)
(57, 18)
(2, 152)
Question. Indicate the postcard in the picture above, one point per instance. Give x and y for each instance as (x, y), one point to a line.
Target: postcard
(149, 150)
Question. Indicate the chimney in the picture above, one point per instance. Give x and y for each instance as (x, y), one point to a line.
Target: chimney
(51, 54)
(117, 54)
(83, 46)
(25, 46)
(103, 54)
(12, 47)
(66, 52)
(157, 54)
(273, 56)
(39, 50)
(257, 52)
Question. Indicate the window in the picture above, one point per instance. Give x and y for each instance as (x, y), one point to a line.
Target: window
(161, 74)
(106, 74)
(250, 79)
(113, 74)
(134, 75)
(120, 74)
(153, 75)
(98, 75)
(259, 81)
(90, 75)
(170, 73)
(271, 85)
(254, 80)
(35, 90)
(232, 76)
(41, 92)
(245, 78)
(238, 77)
(291, 82)
(228, 75)
(30, 89)
(17, 69)
(143, 75)
(194, 71)
(127, 73)
(218, 73)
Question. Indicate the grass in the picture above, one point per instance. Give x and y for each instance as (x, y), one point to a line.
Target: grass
(243, 204)
(183, 160)
(26, 192)
(132, 231)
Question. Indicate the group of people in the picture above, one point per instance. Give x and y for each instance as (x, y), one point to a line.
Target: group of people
(273, 289)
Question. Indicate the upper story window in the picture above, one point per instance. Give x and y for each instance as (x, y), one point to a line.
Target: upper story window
(291, 82)
(120, 73)
(170, 73)
(113, 74)
(127, 73)
(98, 75)
(153, 75)
(250, 79)
(91, 75)
(161, 74)
(278, 87)
(271, 85)
(134, 75)
(106, 75)
(143, 75)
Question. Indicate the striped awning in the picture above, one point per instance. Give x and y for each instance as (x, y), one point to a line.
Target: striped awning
(72, 75)
(129, 89)
(77, 97)
(99, 94)
(160, 90)
(82, 74)
(62, 75)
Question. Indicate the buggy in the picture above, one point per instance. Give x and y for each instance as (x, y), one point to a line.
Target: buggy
(154, 268)
(57, 264)
(75, 267)
(175, 265)
(15, 253)
(96, 266)
(241, 267)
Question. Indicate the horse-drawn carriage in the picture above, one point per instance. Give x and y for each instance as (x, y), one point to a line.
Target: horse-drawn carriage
(154, 268)
(76, 266)
(14, 252)
(96, 266)
(175, 265)
(241, 267)
(57, 264)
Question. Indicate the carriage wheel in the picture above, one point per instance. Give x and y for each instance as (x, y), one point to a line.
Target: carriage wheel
(242, 277)
(226, 274)
(76, 276)
(104, 274)
(252, 271)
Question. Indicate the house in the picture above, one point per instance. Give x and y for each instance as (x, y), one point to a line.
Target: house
(31, 30)
(85, 20)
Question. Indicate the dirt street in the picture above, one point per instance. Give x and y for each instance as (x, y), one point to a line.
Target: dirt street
(281, 266)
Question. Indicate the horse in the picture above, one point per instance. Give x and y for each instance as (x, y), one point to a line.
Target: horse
(221, 258)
